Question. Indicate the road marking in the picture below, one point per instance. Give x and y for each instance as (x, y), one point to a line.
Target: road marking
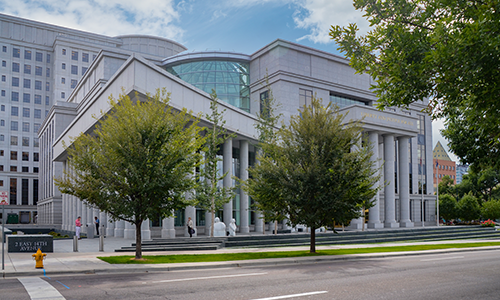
(202, 278)
(442, 258)
(39, 289)
(292, 296)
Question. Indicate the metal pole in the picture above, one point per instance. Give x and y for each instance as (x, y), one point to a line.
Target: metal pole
(75, 244)
(3, 237)
(101, 242)
(422, 185)
(437, 193)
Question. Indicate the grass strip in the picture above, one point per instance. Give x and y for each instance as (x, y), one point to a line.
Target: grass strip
(186, 258)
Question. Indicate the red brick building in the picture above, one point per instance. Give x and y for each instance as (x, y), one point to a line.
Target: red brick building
(445, 166)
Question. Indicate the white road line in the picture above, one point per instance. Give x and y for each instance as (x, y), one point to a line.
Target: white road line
(210, 277)
(292, 296)
(442, 258)
(39, 289)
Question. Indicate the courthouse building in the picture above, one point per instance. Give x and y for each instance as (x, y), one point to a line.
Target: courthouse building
(59, 78)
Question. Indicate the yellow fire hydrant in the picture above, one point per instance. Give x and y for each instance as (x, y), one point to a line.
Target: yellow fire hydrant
(39, 256)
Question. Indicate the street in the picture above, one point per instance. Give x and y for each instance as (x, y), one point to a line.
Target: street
(464, 275)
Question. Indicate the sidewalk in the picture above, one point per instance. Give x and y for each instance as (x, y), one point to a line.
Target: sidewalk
(64, 261)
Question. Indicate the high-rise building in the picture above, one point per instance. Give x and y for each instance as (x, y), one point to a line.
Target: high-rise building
(79, 71)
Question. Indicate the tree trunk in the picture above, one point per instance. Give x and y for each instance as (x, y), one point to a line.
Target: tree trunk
(213, 222)
(138, 240)
(364, 219)
(313, 240)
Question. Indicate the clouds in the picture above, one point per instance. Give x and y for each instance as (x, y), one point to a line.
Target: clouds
(318, 15)
(109, 17)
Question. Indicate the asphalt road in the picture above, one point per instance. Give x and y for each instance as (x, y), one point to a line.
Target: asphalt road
(465, 275)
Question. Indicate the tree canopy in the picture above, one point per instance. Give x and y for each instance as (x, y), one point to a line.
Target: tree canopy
(315, 172)
(136, 163)
(444, 50)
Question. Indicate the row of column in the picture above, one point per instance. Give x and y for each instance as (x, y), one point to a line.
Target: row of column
(389, 178)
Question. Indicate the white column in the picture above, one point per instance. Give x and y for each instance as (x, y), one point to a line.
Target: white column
(168, 228)
(389, 193)
(374, 212)
(227, 152)
(244, 225)
(119, 228)
(357, 223)
(110, 226)
(190, 212)
(129, 231)
(145, 231)
(404, 183)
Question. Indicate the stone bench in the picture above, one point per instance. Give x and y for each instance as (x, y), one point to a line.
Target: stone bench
(30, 243)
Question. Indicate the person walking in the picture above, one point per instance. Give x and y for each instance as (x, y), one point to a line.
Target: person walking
(78, 225)
(96, 222)
(190, 227)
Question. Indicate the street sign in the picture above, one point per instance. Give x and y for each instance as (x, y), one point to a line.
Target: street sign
(4, 198)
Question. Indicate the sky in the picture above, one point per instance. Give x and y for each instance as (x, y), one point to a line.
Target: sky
(242, 26)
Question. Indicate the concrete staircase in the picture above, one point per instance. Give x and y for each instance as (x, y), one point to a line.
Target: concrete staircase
(328, 238)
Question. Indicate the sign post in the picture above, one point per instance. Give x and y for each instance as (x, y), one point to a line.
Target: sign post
(4, 200)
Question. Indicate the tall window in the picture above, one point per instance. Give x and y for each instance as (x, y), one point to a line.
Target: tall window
(26, 98)
(26, 127)
(26, 141)
(38, 85)
(15, 67)
(38, 99)
(264, 104)
(27, 83)
(26, 156)
(74, 70)
(305, 98)
(13, 140)
(48, 58)
(39, 56)
(38, 71)
(27, 54)
(14, 111)
(74, 55)
(16, 52)
(27, 69)
(26, 112)
(15, 81)
(13, 191)
(35, 190)
(24, 191)
(85, 57)
(13, 155)
(14, 126)
(14, 96)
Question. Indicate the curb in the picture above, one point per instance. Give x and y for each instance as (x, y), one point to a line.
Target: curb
(240, 264)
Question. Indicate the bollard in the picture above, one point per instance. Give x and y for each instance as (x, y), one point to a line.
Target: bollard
(75, 244)
(101, 242)
(39, 257)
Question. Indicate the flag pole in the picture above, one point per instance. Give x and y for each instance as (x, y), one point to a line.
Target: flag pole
(437, 192)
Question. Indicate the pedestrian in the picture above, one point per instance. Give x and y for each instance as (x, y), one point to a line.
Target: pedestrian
(78, 224)
(96, 222)
(190, 227)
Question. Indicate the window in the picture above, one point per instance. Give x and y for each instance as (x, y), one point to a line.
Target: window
(3, 78)
(2, 137)
(93, 57)
(15, 81)
(74, 55)
(13, 168)
(16, 52)
(2, 122)
(36, 126)
(24, 191)
(26, 170)
(13, 155)
(14, 111)
(47, 100)
(15, 96)
(3, 93)
(85, 57)
(47, 72)
(73, 83)
(38, 114)
(14, 125)
(4, 63)
(38, 85)
(27, 69)
(13, 191)
(2, 108)
(26, 112)
(84, 70)
(264, 104)
(63, 66)
(1, 152)
(36, 143)
(26, 127)
(26, 142)
(13, 140)
(63, 51)
(15, 67)
(26, 156)
(35, 188)
(27, 54)
(35, 169)
(38, 56)
(38, 71)
(4, 48)
(63, 80)
(35, 156)
(74, 70)
(46, 112)
(1, 167)
(27, 83)
(47, 86)
(305, 98)
(38, 99)
(26, 98)
(48, 58)
(63, 95)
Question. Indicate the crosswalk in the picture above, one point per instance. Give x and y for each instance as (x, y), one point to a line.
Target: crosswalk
(39, 289)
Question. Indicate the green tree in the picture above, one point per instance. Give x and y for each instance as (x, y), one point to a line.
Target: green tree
(483, 184)
(446, 186)
(443, 50)
(315, 172)
(491, 210)
(209, 194)
(447, 207)
(468, 208)
(135, 164)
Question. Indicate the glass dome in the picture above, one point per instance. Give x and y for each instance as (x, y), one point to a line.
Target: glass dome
(227, 74)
